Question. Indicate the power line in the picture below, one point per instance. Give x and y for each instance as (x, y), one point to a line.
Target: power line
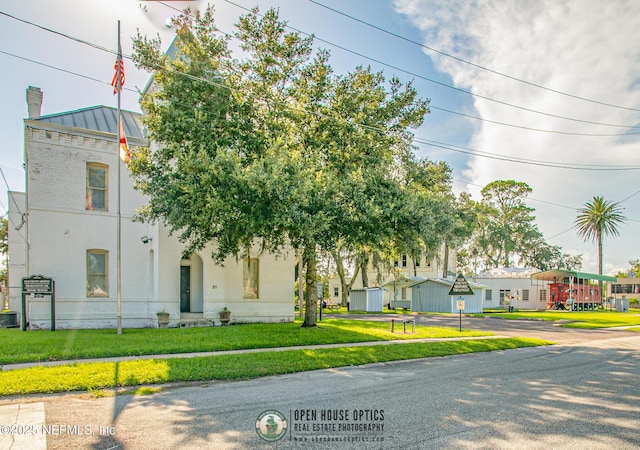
(415, 139)
(81, 41)
(522, 127)
(470, 151)
(424, 141)
(371, 59)
(70, 72)
(10, 191)
(22, 215)
(469, 183)
(439, 83)
(561, 233)
(632, 195)
(448, 55)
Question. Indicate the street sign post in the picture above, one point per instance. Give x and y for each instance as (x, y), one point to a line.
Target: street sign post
(460, 287)
(460, 306)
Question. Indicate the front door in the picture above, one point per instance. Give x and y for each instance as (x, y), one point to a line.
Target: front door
(185, 289)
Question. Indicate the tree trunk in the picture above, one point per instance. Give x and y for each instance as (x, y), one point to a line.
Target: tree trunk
(364, 262)
(346, 286)
(599, 237)
(445, 268)
(311, 294)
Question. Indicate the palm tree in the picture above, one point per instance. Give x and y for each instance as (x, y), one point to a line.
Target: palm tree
(596, 219)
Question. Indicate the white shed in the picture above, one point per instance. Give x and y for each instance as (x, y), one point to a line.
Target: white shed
(366, 299)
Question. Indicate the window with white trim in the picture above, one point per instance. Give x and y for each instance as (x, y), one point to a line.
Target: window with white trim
(97, 273)
(97, 198)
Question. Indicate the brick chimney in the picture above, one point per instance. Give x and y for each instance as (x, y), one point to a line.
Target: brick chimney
(34, 102)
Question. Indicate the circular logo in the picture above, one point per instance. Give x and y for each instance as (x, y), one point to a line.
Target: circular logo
(271, 425)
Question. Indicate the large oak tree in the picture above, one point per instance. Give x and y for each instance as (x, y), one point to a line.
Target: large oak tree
(267, 146)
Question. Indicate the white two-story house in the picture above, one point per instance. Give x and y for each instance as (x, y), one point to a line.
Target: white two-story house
(67, 222)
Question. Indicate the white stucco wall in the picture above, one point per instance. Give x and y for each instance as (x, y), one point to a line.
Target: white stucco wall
(60, 230)
(513, 285)
(222, 284)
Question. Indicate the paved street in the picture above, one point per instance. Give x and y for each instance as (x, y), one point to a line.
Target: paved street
(584, 393)
(551, 331)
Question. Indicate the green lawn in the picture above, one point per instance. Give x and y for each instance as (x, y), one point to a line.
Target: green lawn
(34, 346)
(94, 377)
(579, 319)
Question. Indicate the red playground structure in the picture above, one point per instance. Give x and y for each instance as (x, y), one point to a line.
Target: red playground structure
(571, 290)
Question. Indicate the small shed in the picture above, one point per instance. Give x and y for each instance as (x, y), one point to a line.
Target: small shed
(432, 295)
(366, 299)
(399, 291)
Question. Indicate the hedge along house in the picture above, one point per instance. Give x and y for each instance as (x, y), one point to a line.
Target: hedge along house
(68, 226)
(432, 295)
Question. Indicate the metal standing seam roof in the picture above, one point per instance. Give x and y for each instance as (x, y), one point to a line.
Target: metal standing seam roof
(405, 281)
(553, 275)
(99, 118)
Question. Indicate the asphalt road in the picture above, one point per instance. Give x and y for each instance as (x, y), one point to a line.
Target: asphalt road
(583, 393)
(551, 331)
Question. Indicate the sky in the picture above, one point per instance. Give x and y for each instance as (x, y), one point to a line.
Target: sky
(546, 92)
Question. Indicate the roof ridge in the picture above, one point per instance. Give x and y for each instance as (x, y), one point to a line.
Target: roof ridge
(87, 108)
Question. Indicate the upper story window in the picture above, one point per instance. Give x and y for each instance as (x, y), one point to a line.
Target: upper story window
(97, 273)
(97, 198)
(404, 260)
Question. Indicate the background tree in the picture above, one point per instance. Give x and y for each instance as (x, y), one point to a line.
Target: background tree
(505, 222)
(422, 217)
(271, 149)
(506, 233)
(461, 226)
(595, 220)
(343, 260)
(632, 272)
(544, 256)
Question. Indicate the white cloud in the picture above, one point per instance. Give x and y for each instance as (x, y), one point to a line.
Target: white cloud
(586, 48)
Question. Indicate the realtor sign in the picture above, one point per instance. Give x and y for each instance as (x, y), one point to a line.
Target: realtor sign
(460, 287)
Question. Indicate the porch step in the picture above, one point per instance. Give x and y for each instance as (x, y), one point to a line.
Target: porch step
(194, 320)
(187, 323)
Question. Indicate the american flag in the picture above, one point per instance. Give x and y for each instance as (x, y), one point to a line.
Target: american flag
(117, 86)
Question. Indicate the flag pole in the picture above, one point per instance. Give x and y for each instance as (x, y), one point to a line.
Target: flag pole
(118, 234)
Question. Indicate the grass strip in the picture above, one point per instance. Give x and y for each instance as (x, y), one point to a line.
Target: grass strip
(60, 345)
(579, 319)
(96, 376)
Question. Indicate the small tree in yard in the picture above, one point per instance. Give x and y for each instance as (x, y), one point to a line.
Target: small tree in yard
(270, 147)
